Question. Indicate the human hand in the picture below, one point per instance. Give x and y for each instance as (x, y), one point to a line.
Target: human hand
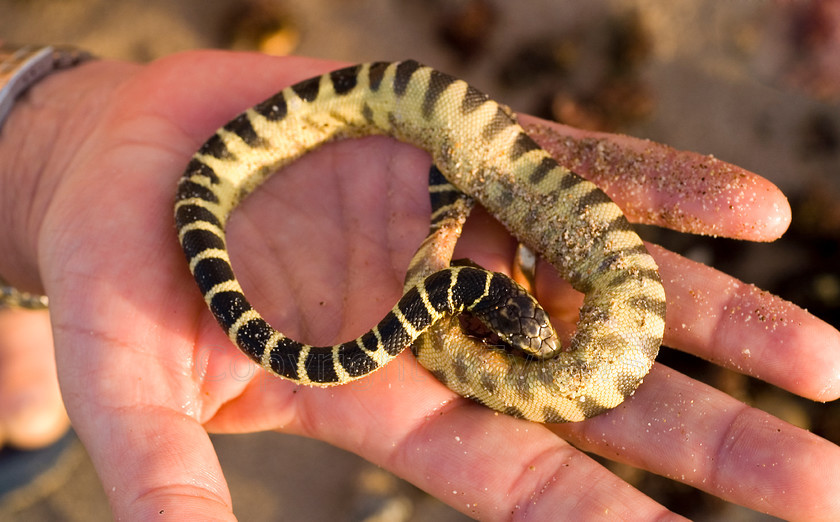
(321, 251)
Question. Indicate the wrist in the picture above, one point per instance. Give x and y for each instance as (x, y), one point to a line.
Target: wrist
(38, 140)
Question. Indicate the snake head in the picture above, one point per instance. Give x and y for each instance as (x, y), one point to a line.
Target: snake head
(523, 324)
(518, 320)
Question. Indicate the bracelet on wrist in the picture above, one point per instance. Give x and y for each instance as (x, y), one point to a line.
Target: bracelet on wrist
(11, 297)
(22, 66)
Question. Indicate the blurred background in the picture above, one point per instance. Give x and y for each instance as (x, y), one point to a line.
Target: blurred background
(754, 82)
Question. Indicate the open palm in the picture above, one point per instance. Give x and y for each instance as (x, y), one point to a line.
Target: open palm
(321, 251)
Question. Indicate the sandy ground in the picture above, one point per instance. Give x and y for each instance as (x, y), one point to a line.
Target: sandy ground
(707, 76)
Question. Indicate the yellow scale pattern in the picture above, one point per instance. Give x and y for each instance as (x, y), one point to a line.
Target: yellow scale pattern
(484, 153)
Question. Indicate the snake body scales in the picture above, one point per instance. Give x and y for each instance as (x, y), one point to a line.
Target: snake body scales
(482, 151)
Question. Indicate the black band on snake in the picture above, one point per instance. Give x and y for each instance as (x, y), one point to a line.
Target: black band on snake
(481, 150)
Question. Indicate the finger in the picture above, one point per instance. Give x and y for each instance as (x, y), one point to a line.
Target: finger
(126, 338)
(484, 464)
(134, 404)
(738, 326)
(156, 461)
(733, 324)
(682, 429)
(658, 185)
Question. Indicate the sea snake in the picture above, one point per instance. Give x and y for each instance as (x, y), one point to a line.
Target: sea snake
(482, 151)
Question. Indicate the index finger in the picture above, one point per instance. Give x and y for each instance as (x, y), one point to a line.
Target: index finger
(658, 185)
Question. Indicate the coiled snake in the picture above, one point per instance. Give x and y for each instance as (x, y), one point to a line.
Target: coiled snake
(478, 146)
